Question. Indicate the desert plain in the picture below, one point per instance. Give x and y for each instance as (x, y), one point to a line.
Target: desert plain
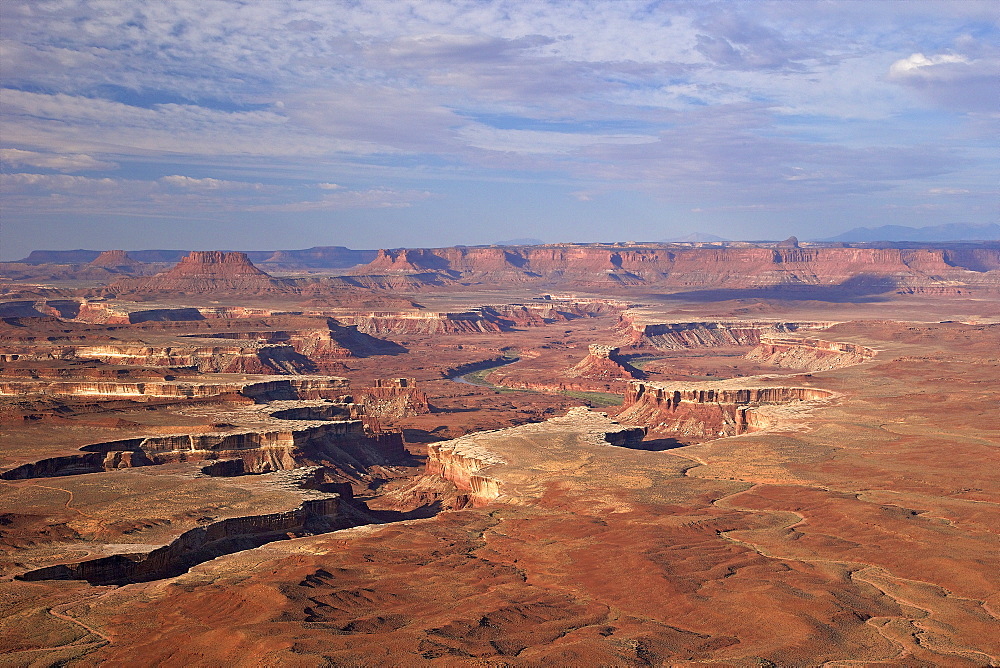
(566, 455)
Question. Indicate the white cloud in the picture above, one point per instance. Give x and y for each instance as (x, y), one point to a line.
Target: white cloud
(954, 80)
(733, 103)
(189, 183)
(375, 198)
(76, 162)
(540, 142)
(70, 123)
(919, 63)
(57, 183)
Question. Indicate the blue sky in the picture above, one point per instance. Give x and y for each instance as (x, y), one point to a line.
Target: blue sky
(388, 123)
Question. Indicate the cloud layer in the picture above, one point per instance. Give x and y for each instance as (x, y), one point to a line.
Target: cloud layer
(409, 116)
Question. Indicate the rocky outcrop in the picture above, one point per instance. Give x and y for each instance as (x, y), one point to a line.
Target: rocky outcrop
(254, 357)
(201, 544)
(604, 363)
(391, 399)
(809, 354)
(380, 323)
(99, 311)
(682, 335)
(700, 412)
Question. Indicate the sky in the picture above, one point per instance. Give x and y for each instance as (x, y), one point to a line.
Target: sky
(285, 124)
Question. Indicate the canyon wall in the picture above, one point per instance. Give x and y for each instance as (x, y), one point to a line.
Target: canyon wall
(461, 462)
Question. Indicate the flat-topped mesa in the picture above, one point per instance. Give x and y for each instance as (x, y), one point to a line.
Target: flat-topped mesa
(699, 412)
(217, 263)
(809, 354)
(206, 272)
(115, 260)
(604, 362)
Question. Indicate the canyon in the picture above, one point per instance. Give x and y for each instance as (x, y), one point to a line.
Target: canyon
(576, 454)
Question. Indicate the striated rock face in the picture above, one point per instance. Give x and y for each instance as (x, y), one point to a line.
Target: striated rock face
(702, 412)
(460, 462)
(378, 323)
(254, 357)
(604, 362)
(787, 266)
(682, 335)
(809, 354)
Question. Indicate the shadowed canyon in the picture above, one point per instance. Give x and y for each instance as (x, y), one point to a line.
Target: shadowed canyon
(726, 454)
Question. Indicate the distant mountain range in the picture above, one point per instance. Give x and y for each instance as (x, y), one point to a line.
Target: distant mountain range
(949, 232)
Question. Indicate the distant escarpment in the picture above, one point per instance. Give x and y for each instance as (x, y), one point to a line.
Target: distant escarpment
(105, 266)
(697, 412)
(854, 271)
